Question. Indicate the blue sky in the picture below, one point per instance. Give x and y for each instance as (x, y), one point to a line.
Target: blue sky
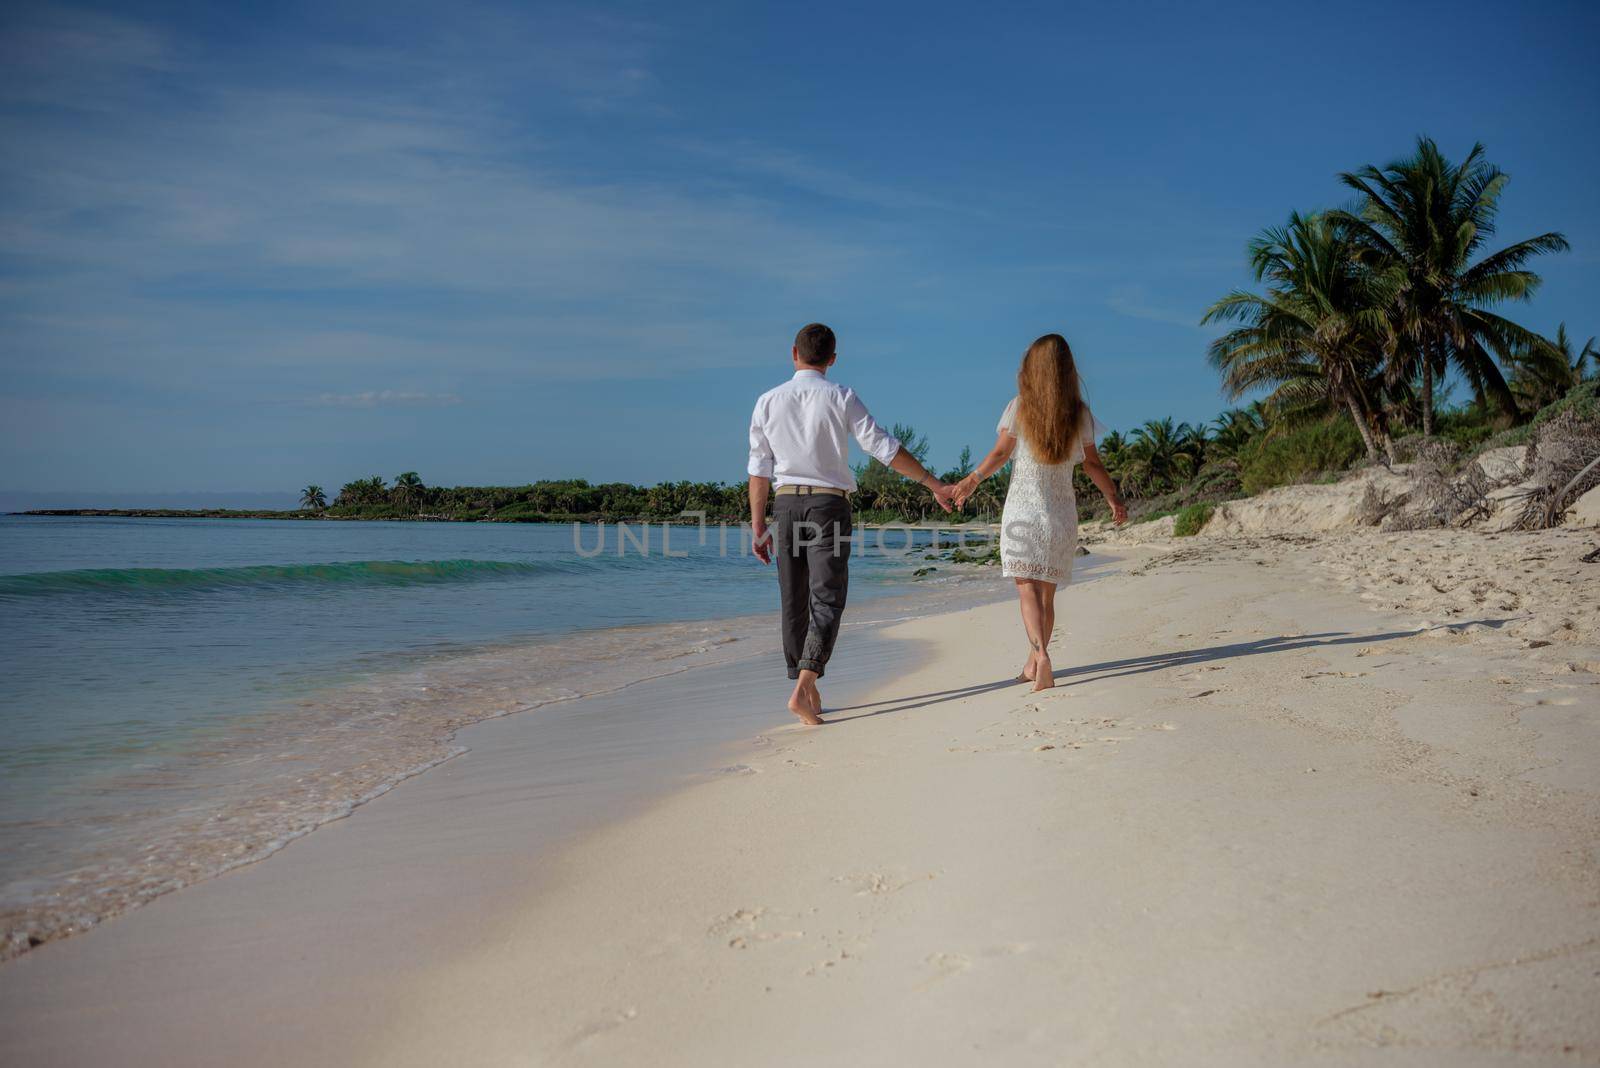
(246, 247)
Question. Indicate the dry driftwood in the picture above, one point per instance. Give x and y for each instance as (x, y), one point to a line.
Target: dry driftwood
(1563, 464)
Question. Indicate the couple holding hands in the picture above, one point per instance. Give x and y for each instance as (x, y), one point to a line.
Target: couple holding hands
(799, 448)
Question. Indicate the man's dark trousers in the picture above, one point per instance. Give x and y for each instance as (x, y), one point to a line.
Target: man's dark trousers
(811, 538)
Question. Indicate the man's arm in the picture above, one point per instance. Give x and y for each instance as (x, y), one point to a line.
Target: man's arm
(882, 446)
(760, 539)
(912, 468)
(760, 470)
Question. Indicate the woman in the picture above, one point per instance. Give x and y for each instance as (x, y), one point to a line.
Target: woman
(1048, 430)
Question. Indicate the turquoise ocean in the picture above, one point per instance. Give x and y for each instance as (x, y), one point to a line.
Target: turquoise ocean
(185, 695)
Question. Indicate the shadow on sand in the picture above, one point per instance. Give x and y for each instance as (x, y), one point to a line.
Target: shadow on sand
(1138, 665)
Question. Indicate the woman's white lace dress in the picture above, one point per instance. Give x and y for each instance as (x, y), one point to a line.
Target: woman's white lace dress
(1039, 525)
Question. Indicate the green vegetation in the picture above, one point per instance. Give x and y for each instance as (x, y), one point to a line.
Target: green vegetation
(1367, 310)
(1419, 235)
(549, 501)
(1542, 376)
(1190, 519)
(1299, 454)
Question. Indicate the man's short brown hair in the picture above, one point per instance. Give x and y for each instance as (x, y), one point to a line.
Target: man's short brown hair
(815, 343)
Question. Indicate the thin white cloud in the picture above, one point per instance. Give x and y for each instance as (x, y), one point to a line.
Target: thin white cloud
(1135, 302)
(384, 398)
(373, 217)
(799, 171)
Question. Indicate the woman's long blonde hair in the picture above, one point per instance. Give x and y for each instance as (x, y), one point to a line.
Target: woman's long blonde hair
(1050, 404)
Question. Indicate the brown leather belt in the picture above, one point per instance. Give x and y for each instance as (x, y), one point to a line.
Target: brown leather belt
(808, 490)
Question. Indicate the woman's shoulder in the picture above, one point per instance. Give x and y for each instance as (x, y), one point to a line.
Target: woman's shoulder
(1008, 418)
(1090, 429)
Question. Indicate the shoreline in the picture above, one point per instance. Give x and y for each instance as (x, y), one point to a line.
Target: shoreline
(315, 920)
(368, 737)
(558, 519)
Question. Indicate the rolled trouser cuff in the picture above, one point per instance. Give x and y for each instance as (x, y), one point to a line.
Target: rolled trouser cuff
(819, 666)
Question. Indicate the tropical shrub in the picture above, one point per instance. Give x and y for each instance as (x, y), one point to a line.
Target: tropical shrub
(1189, 521)
(1300, 455)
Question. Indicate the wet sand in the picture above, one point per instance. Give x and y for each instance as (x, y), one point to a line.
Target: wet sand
(301, 958)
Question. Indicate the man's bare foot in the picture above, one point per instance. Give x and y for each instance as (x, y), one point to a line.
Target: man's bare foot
(1043, 675)
(806, 703)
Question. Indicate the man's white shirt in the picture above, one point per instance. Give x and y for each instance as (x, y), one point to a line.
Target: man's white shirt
(800, 433)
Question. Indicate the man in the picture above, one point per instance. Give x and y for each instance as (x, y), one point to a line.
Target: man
(799, 439)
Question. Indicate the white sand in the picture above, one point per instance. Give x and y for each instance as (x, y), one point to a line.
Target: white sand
(1262, 821)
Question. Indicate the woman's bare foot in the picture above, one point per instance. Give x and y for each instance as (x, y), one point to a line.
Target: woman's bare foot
(1043, 674)
(1027, 669)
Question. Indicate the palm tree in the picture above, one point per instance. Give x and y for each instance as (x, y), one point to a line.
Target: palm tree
(1424, 220)
(1160, 455)
(1319, 332)
(1236, 428)
(1112, 444)
(1113, 450)
(991, 495)
(408, 488)
(312, 497)
(362, 491)
(1547, 372)
(1196, 440)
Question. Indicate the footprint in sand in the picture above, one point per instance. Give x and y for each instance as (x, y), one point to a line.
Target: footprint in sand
(740, 928)
(600, 1026)
(873, 882)
(944, 966)
(739, 919)
(1009, 949)
(822, 966)
(756, 938)
(876, 883)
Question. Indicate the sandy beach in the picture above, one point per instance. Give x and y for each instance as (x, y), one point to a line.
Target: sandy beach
(446, 449)
(1264, 818)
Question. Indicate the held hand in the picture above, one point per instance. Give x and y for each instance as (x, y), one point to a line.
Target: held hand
(761, 541)
(1119, 512)
(944, 494)
(965, 489)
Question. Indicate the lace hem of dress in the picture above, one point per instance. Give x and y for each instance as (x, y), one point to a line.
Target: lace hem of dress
(1016, 568)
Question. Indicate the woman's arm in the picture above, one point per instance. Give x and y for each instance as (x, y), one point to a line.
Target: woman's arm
(1095, 468)
(1004, 446)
